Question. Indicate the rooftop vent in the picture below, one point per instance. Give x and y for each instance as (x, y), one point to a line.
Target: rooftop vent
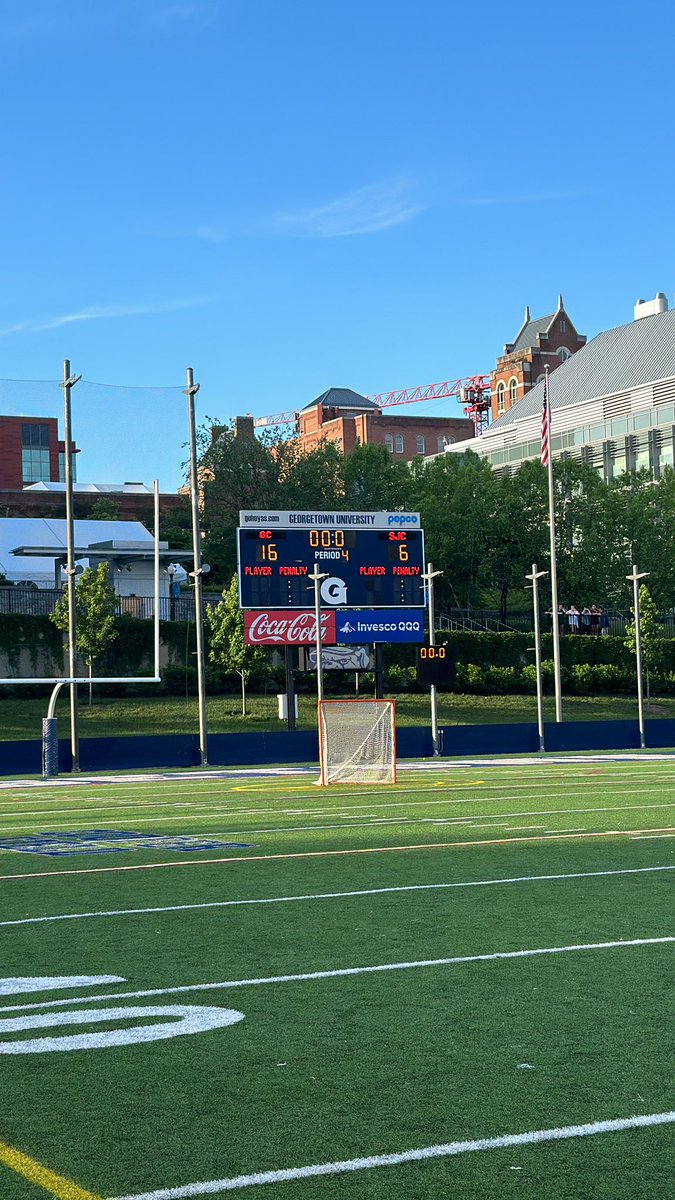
(649, 308)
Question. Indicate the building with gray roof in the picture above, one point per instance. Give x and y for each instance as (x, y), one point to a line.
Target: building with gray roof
(612, 403)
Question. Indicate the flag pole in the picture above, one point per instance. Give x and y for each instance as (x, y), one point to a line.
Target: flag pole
(547, 461)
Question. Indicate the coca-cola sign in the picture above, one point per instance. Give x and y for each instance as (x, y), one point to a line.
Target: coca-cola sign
(283, 628)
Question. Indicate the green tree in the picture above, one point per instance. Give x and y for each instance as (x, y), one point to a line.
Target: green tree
(515, 519)
(95, 607)
(453, 494)
(266, 473)
(104, 509)
(651, 633)
(234, 473)
(374, 480)
(309, 479)
(583, 553)
(227, 648)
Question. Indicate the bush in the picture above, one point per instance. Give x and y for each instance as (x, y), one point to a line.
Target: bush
(586, 679)
(504, 679)
(401, 679)
(177, 680)
(470, 678)
(529, 677)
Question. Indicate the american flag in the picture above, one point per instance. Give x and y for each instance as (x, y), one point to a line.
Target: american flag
(545, 426)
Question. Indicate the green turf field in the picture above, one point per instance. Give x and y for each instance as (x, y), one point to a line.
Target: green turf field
(441, 988)
(21, 717)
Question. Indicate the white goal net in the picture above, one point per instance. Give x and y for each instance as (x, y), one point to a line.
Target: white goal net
(357, 741)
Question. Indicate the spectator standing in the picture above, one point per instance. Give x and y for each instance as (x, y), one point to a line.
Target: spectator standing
(562, 619)
(585, 626)
(595, 619)
(573, 618)
(604, 623)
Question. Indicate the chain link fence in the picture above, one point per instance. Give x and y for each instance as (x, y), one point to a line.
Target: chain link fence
(40, 602)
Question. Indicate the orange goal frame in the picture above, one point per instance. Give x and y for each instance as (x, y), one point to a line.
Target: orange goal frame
(360, 700)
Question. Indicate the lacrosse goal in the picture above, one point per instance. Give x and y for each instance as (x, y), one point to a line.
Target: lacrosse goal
(357, 741)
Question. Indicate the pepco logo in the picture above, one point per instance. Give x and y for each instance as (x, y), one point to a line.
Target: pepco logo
(402, 519)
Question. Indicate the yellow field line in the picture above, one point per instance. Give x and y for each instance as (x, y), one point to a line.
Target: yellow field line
(63, 1189)
(302, 789)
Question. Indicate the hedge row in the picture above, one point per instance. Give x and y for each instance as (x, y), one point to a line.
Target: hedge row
(517, 649)
(486, 662)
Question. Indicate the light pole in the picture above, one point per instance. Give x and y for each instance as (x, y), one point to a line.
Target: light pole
(316, 578)
(68, 382)
(429, 578)
(191, 391)
(535, 576)
(636, 576)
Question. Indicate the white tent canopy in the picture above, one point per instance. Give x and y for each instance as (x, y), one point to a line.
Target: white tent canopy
(126, 545)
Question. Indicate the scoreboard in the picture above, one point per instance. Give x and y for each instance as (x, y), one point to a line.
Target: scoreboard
(365, 568)
(435, 665)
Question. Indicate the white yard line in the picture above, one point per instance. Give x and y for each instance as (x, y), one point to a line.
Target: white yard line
(534, 764)
(299, 788)
(368, 1162)
(382, 891)
(220, 804)
(378, 821)
(650, 837)
(345, 972)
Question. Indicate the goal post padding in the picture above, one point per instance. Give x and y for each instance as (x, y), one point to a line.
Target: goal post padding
(357, 741)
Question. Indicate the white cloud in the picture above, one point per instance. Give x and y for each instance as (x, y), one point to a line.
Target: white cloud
(532, 198)
(201, 12)
(368, 209)
(98, 312)
(212, 233)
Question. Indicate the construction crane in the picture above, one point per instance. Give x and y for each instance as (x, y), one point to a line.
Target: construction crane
(473, 392)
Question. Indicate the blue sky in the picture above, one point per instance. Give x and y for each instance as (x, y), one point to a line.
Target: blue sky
(293, 196)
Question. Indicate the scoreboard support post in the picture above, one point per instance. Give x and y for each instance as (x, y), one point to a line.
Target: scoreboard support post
(379, 672)
(290, 688)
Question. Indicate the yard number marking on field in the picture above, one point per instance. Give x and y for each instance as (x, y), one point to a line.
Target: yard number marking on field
(285, 1175)
(184, 1018)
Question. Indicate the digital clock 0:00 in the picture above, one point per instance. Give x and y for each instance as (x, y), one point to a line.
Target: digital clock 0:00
(432, 652)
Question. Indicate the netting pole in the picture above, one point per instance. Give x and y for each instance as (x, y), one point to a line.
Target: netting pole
(316, 578)
(68, 382)
(190, 391)
(636, 577)
(535, 577)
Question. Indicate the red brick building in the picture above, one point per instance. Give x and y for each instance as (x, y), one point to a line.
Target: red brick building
(125, 502)
(541, 342)
(32, 474)
(31, 451)
(345, 417)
